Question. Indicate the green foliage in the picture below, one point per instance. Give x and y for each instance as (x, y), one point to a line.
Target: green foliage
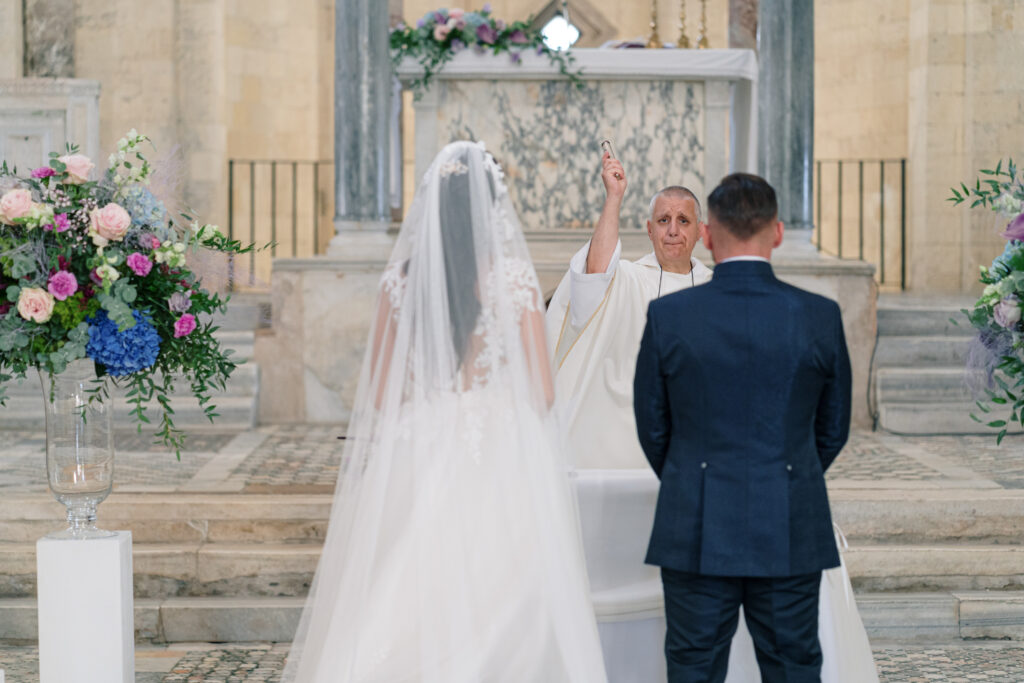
(1000, 190)
(515, 38)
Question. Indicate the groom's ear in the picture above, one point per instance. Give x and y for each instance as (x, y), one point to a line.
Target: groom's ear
(705, 236)
(779, 234)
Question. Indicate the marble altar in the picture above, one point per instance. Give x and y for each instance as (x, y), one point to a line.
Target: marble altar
(675, 117)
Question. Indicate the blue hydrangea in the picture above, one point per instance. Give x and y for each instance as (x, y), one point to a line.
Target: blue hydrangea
(145, 209)
(122, 353)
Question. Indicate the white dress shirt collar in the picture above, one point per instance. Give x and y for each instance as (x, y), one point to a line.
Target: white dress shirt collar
(745, 258)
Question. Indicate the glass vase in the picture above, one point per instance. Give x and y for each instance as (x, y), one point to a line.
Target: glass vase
(79, 446)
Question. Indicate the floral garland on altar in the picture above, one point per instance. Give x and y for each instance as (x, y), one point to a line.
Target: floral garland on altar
(998, 351)
(98, 270)
(443, 33)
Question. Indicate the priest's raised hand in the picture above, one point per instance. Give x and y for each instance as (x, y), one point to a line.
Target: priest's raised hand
(598, 313)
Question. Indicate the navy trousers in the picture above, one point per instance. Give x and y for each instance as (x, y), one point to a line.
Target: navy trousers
(702, 613)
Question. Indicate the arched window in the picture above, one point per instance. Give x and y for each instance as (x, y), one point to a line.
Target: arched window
(584, 26)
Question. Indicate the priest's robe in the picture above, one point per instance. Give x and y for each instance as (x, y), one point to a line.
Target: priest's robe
(594, 325)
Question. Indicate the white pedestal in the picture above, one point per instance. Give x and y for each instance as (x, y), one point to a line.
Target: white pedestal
(86, 620)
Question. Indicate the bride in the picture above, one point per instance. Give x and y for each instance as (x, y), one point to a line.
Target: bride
(453, 552)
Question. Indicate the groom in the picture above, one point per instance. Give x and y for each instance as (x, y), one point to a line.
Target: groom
(742, 401)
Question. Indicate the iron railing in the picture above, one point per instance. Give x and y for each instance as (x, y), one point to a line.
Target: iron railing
(875, 228)
(288, 204)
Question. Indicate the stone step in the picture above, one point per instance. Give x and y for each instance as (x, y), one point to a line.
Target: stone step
(285, 570)
(234, 412)
(897, 617)
(246, 311)
(923, 321)
(922, 385)
(180, 518)
(952, 417)
(911, 351)
(976, 516)
(969, 516)
(244, 381)
(945, 567)
(190, 569)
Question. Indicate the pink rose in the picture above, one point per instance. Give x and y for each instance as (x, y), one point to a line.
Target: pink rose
(43, 172)
(156, 241)
(456, 13)
(110, 223)
(441, 32)
(15, 204)
(184, 325)
(35, 304)
(78, 168)
(62, 284)
(140, 264)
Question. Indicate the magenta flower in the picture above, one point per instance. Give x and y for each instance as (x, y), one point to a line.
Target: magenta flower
(1015, 230)
(517, 37)
(43, 172)
(140, 264)
(62, 284)
(184, 325)
(156, 242)
(486, 34)
(61, 222)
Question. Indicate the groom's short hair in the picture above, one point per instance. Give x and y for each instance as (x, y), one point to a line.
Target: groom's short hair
(744, 204)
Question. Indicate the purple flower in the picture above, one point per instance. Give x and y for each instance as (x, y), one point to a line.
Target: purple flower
(499, 24)
(540, 49)
(486, 34)
(179, 303)
(518, 37)
(62, 284)
(140, 264)
(1007, 312)
(478, 49)
(1015, 230)
(515, 57)
(487, 8)
(420, 23)
(61, 222)
(43, 172)
(94, 275)
(440, 18)
(458, 45)
(4, 308)
(184, 325)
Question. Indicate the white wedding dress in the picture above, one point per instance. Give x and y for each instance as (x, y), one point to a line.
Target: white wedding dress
(453, 553)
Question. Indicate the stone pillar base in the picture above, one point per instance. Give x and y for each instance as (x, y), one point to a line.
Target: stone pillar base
(361, 240)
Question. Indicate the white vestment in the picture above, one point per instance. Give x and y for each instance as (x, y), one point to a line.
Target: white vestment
(594, 324)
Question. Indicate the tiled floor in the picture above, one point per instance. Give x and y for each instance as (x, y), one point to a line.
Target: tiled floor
(190, 663)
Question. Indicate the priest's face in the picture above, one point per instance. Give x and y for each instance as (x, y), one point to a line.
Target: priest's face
(673, 229)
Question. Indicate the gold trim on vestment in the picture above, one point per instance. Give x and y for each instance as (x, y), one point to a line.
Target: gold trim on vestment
(583, 329)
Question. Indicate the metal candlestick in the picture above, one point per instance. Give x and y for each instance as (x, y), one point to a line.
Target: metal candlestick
(653, 40)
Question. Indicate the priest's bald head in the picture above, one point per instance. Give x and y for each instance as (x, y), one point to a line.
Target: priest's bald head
(674, 227)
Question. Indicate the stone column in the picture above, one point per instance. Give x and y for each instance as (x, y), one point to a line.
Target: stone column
(362, 117)
(786, 112)
(743, 24)
(12, 40)
(200, 93)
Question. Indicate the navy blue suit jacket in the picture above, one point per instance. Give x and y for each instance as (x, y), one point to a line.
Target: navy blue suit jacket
(742, 401)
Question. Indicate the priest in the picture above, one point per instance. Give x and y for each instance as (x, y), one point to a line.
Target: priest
(597, 316)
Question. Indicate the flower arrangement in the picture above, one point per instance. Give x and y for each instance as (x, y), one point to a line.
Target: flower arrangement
(97, 269)
(999, 348)
(443, 33)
